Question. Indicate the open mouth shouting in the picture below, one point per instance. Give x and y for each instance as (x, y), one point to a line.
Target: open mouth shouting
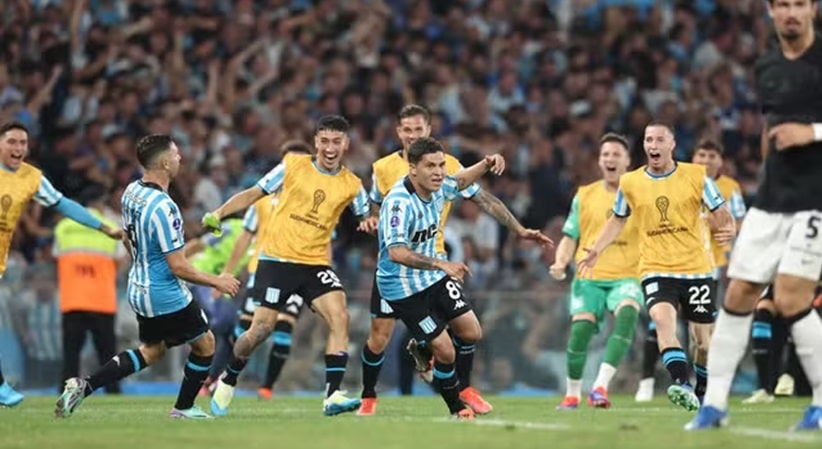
(654, 155)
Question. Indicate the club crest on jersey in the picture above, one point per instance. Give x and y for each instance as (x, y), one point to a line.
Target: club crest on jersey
(425, 234)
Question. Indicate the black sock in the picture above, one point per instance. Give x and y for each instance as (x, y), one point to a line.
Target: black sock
(650, 352)
(676, 362)
(371, 366)
(446, 378)
(334, 371)
(464, 362)
(762, 336)
(233, 370)
(279, 352)
(118, 367)
(2, 379)
(701, 379)
(194, 374)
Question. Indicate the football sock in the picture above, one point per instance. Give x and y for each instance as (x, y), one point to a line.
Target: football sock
(650, 352)
(121, 365)
(618, 344)
(194, 374)
(577, 351)
(676, 362)
(445, 377)
(334, 371)
(701, 379)
(279, 352)
(806, 329)
(233, 370)
(464, 362)
(762, 335)
(371, 366)
(728, 345)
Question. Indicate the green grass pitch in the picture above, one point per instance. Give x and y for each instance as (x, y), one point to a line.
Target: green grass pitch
(141, 422)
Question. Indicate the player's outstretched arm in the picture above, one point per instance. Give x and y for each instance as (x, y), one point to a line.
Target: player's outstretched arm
(182, 268)
(403, 255)
(48, 196)
(467, 176)
(565, 252)
(723, 225)
(494, 207)
(240, 201)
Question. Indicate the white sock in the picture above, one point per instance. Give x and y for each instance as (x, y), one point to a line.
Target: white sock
(573, 388)
(807, 336)
(728, 345)
(606, 373)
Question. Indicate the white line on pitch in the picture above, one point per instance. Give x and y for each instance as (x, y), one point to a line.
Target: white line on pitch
(774, 434)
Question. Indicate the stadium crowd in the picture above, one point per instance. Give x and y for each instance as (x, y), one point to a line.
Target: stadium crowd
(538, 81)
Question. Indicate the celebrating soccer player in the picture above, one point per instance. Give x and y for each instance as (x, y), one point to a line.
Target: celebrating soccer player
(413, 123)
(665, 199)
(166, 314)
(780, 241)
(612, 286)
(313, 191)
(21, 182)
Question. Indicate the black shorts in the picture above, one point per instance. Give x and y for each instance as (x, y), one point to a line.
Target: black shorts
(275, 282)
(380, 308)
(293, 305)
(693, 297)
(426, 313)
(183, 326)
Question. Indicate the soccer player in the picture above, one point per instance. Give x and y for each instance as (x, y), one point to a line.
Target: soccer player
(780, 241)
(612, 286)
(709, 154)
(414, 122)
(256, 222)
(313, 191)
(21, 183)
(665, 200)
(166, 314)
(422, 288)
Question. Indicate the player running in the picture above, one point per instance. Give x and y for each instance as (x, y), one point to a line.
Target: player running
(612, 286)
(665, 198)
(21, 183)
(166, 314)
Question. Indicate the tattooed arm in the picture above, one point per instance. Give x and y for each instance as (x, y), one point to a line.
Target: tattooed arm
(405, 256)
(497, 209)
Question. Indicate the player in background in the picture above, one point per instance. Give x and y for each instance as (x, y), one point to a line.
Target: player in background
(420, 286)
(665, 200)
(21, 183)
(210, 253)
(413, 123)
(166, 314)
(313, 191)
(256, 223)
(613, 285)
(709, 154)
(780, 241)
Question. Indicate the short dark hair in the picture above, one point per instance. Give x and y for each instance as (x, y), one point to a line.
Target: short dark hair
(8, 126)
(295, 146)
(148, 147)
(661, 123)
(615, 138)
(332, 123)
(710, 145)
(421, 147)
(413, 110)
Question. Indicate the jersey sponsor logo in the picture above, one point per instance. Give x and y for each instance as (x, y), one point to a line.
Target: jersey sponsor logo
(424, 234)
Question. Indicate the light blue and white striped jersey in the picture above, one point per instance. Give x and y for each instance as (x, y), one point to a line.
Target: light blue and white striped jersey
(155, 228)
(408, 220)
(46, 194)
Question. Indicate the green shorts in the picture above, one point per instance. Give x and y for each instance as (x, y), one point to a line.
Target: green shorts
(597, 296)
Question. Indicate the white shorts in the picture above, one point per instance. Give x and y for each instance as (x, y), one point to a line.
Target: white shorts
(776, 243)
